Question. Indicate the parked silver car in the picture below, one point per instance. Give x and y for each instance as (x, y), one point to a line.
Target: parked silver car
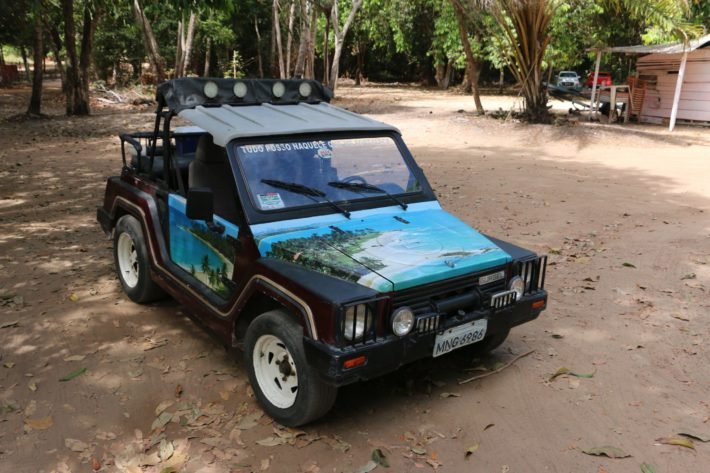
(568, 79)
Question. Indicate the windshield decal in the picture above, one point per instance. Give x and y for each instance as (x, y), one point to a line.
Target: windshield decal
(270, 201)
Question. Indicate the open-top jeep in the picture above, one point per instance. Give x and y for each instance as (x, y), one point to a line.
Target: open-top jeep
(306, 235)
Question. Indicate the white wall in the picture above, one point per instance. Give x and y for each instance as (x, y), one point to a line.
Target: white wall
(695, 96)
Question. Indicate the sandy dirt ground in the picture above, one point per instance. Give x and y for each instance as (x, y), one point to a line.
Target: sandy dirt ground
(622, 211)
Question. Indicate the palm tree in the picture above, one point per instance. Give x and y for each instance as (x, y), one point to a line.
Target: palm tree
(526, 27)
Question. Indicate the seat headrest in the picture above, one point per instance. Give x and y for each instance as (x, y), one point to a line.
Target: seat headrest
(207, 151)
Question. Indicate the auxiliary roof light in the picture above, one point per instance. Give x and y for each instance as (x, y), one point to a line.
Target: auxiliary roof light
(305, 89)
(278, 89)
(240, 89)
(210, 89)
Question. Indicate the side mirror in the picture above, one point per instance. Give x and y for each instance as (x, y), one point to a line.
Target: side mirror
(200, 204)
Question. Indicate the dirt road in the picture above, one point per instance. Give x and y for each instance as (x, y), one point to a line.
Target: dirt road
(623, 212)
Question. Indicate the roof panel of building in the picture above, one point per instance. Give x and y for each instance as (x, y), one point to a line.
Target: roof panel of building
(228, 122)
(672, 48)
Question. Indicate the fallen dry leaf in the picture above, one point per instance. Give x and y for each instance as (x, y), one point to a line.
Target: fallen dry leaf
(607, 451)
(367, 467)
(75, 358)
(40, 423)
(679, 441)
(472, 449)
(75, 445)
(162, 406)
(646, 468)
(380, 458)
(695, 436)
(445, 395)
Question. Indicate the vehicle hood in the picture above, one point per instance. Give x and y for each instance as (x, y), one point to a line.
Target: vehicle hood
(385, 249)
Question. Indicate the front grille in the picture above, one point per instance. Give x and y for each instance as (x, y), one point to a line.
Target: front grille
(428, 324)
(503, 299)
(533, 273)
(423, 299)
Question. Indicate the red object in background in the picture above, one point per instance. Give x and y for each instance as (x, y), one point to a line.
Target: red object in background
(604, 78)
(8, 74)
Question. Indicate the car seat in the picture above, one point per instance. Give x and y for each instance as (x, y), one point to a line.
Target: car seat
(211, 169)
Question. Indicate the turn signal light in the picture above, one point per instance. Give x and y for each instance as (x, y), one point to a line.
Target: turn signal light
(353, 362)
(538, 304)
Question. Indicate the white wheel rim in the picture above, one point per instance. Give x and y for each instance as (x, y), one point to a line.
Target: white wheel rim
(275, 371)
(127, 260)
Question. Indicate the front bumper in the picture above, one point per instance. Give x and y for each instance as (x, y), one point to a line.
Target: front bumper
(389, 353)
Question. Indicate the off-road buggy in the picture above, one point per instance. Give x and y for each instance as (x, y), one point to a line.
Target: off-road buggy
(307, 236)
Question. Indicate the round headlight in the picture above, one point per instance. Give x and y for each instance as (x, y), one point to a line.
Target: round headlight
(402, 321)
(355, 318)
(516, 284)
(278, 89)
(210, 89)
(304, 89)
(240, 89)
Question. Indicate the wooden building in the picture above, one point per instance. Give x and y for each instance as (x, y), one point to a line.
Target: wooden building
(676, 79)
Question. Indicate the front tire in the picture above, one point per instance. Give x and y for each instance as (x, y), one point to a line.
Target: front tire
(132, 264)
(286, 386)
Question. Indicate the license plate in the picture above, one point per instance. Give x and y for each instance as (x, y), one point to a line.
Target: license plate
(460, 336)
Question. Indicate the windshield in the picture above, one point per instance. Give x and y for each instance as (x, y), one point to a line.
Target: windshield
(568, 74)
(297, 173)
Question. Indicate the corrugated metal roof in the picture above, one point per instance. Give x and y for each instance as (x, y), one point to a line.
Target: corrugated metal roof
(228, 122)
(672, 48)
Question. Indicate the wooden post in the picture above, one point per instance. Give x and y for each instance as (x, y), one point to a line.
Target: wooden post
(678, 89)
(594, 84)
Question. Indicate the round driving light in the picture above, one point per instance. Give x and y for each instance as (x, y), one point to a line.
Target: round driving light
(240, 89)
(304, 89)
(517, 285)
(210, 89)
(278, 89)
(402, 321)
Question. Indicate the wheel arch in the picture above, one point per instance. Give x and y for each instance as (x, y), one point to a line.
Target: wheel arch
(267, 297)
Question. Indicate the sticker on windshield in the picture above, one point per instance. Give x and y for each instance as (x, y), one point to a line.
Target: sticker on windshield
(270, 201)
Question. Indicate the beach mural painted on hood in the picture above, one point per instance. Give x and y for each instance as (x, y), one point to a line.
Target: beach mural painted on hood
(385, 249)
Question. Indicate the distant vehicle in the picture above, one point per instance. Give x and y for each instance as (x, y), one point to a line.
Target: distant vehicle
(604, 78)
(568, 79)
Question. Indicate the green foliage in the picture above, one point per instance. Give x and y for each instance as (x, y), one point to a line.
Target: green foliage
(235, 68)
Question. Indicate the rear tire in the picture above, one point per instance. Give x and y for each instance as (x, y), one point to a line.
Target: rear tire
(132, 263)
(288, 389)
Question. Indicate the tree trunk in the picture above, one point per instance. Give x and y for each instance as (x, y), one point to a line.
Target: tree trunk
(289, 37)
(500, 81)
(527, 30)
(340, 38)
(178, 49)
(473, 70)
(23, 53)
(81, 102)
(73, 80)
(258, 48)
(187, 48)
(360, 72)
(310, 70)
(56, 46)
(326, 52)
(38, 46)
(208, 52)
(151, 45)
(300, 66)
(277, 32)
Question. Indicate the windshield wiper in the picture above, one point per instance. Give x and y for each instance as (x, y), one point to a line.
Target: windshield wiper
(310, 192)
(364, 188)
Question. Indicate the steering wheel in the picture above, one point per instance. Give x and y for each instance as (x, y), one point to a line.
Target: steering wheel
(355, 178)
